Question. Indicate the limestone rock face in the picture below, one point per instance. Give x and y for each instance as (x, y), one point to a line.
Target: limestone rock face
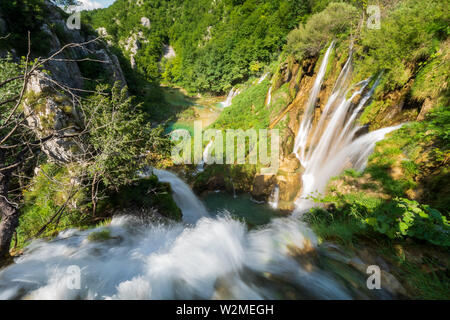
(112, 65)
(263, 186)
(64, 68)
(288, 179)
(132, 45)
(169, 52)
(51, 113)
(65, 72)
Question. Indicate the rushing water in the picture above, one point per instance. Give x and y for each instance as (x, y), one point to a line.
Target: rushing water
(217, 258)
(206, 156)
(275, 198)
(306, 123)
(210, 258)
(233, 93)
(192, 208)
(330, 147)
(269, 97)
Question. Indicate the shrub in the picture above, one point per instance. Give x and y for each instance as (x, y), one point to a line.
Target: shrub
(334, 22)
(409, 35)
(357, 214)
(406, 218)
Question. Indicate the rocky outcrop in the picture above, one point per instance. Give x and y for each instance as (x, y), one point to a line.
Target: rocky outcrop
(132, 44)
(288, 180)
(49, 113)
(65, 68)
(112, 66)
(61, 69)
(168, 52)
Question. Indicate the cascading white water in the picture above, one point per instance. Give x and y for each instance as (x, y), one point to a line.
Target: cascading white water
(191, 207)
(269, 97)
(306, 124)
(206, 156)
(330, 148)
(233, 93)
(161, 261)
(275, 198)
(354, 155)
(263, 77)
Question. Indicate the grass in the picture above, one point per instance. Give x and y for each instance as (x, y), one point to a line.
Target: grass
(414, 157)
(47, 193)
(98, 236)
(434, 285)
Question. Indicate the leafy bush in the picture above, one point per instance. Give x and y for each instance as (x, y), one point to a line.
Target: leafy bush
(406, 218)
(334, 22)
(144, 194)
(99, 236)
(357, 214)
(119, 135)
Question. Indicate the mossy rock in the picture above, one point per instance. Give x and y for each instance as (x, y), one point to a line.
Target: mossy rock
(99, 236)
(145, 193)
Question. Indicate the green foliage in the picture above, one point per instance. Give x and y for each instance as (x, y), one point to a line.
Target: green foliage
(420, 150)
(433, 285)
(145, 194)
(328, 226)
(406, 218)
(93, 72)
(409, 35)
(119, 135)
(8, 69)
(47, 193)
(31, 15)
(334, 22)
(352, 214)
(432, 77)
(248, 110)
(224, 44)
(98, 236)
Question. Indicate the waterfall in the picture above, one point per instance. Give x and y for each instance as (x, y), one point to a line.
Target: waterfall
(191, 207)
(263, 77)
(332, 147)
(354, 155)
(233, 93)
(214, 259)
(275, 198)
(306, 124)
(269, 96)
(206, 156)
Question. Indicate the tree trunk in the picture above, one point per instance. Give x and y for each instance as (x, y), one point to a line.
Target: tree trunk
(9, 219)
